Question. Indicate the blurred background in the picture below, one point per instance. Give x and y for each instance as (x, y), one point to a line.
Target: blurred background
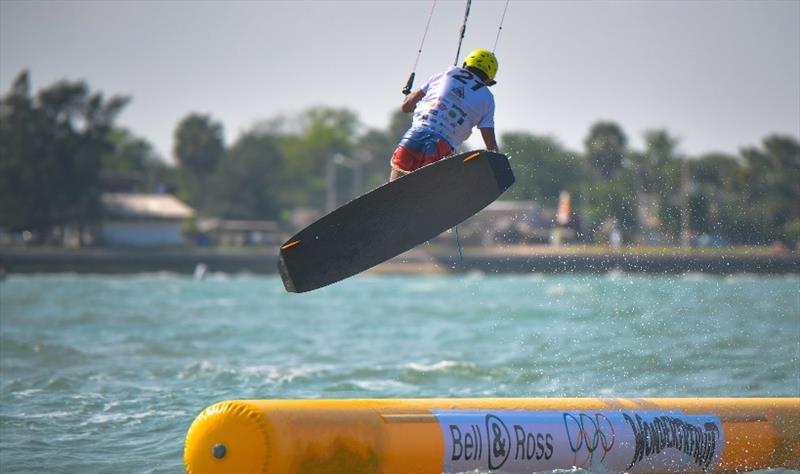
(177, 144)
(236, 123)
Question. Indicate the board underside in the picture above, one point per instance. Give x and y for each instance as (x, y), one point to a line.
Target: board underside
(392, 219)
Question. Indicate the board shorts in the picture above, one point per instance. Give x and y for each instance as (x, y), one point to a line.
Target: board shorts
(418, 148)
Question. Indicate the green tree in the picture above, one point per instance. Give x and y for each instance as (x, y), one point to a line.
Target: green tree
(653, 167)
(198, 149)
(719, 171)
(669, 215)
(658, 171)
(399, 123)
(247, 182)
(700, 209)
(611, 199)
(52, 147)
(772, 178)
(606, 146)
(316, 137)
(542, 167)
(133, 158)
(129, 153)
(22, 160)
(378, 146)
(717, 179)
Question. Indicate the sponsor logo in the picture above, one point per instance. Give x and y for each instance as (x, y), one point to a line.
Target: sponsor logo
(602, 441)
(458, 91)
(589, 436)
(467, 444)
(700, 443)
(499, 441)
(493, 444)
(530, 445)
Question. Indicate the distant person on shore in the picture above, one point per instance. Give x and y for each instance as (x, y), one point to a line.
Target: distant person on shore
(445, 110)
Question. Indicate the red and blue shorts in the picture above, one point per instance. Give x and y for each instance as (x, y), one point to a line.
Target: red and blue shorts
(418, 148)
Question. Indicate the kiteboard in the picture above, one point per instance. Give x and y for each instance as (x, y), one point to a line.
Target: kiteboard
(392, 218)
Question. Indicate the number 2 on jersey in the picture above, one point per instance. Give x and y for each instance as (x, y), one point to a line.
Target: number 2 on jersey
(464, 76)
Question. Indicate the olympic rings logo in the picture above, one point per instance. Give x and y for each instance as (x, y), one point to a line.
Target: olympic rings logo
(594, 435)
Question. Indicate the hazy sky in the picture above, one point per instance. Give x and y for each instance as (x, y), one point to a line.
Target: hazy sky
(718, 74)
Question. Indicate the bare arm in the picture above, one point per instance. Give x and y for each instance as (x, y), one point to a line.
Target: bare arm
(411, 101)
(489, 139)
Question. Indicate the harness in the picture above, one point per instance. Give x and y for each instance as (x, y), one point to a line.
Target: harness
(422, 140)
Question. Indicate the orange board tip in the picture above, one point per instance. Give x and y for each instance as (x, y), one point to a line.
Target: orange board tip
(472, 156)
(290, 245)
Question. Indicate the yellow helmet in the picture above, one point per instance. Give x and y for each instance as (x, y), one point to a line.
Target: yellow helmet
(483, 60)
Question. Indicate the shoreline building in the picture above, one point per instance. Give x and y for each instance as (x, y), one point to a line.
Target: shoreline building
(143, 220)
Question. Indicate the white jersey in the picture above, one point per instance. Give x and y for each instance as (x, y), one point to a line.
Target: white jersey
(455, 101)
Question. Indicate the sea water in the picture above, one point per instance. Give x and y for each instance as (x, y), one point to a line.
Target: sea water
(102, 374)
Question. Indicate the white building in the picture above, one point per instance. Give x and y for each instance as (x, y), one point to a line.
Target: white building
(143, 219)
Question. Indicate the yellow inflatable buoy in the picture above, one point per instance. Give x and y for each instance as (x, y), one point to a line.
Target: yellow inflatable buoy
(505, 434)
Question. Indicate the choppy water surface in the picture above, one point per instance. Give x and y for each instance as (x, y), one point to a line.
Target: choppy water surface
(105, 374)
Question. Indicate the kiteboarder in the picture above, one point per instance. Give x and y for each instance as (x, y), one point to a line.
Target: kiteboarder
(446, 109)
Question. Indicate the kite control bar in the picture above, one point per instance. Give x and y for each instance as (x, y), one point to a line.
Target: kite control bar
(409, 84)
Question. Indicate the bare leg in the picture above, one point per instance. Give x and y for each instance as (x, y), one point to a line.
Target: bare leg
(396, 173)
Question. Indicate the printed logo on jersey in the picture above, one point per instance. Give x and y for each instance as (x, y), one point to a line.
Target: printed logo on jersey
(449, 110)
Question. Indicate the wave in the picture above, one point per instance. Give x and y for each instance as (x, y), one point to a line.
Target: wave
(441, 366)
(271, 374)
(16, 353)
(560, 289)
(131, 417)
(383, 386)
